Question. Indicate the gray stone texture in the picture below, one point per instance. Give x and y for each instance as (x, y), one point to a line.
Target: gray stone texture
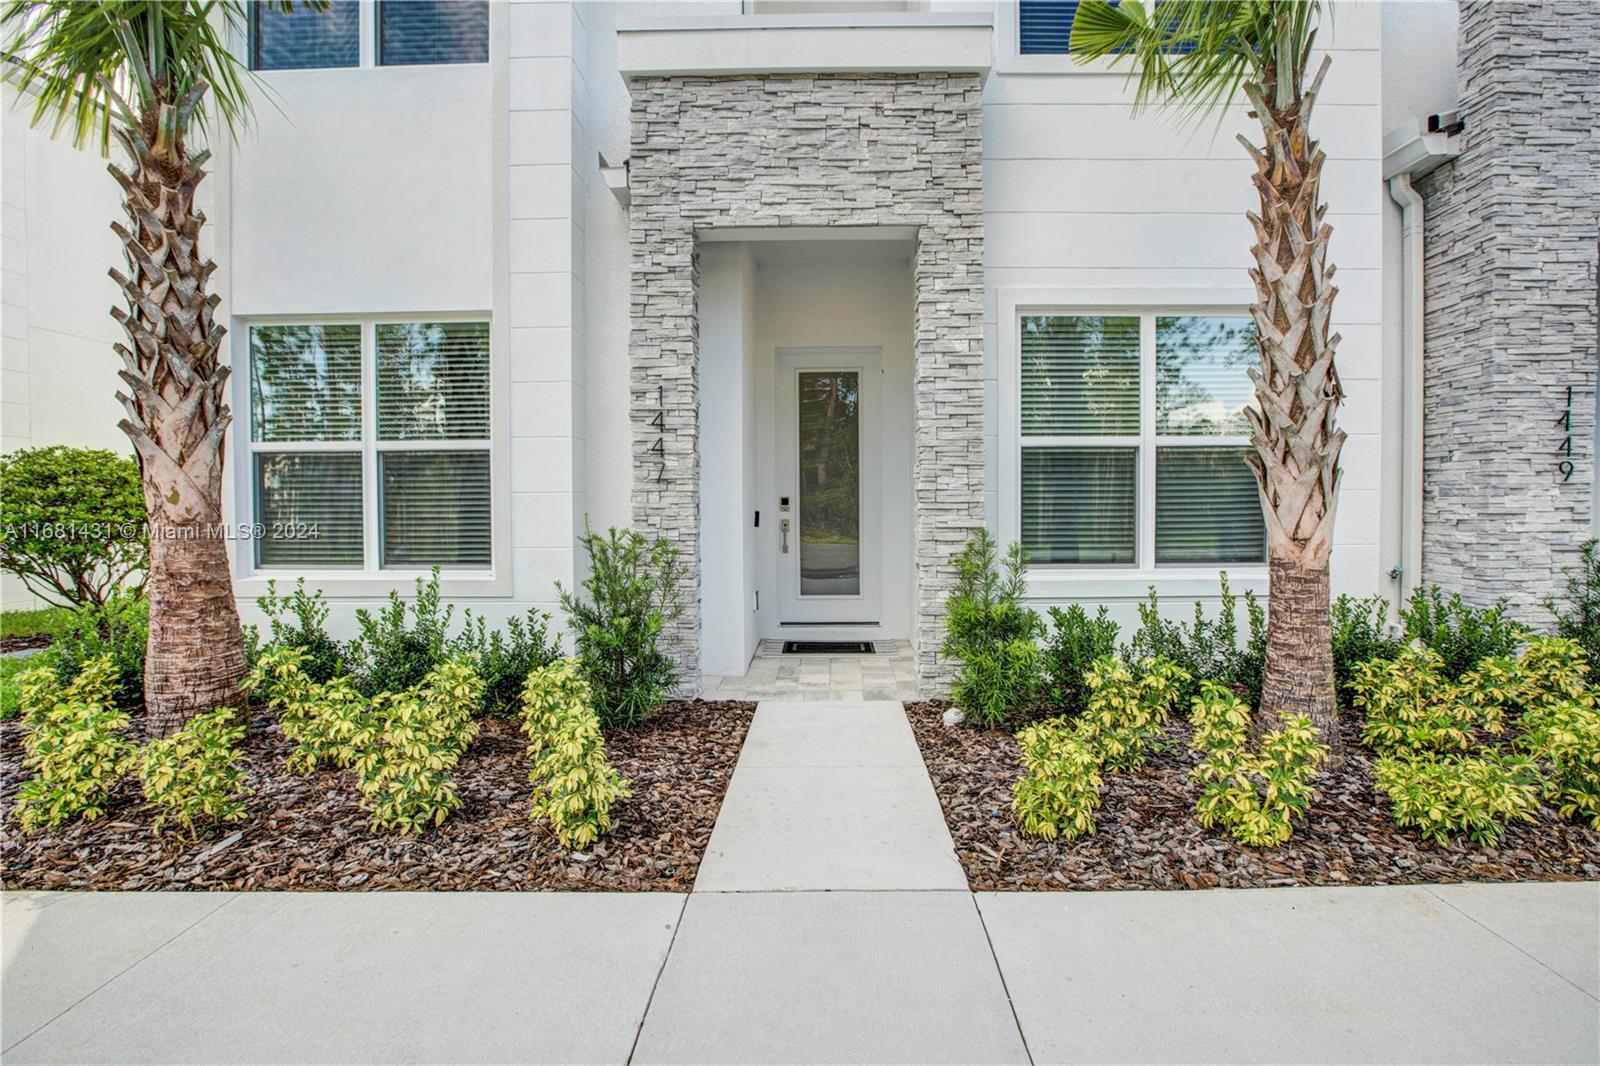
(1510, 306)
(820, 150)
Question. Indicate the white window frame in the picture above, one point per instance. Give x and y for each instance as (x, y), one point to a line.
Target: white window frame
(1010, 60)
(366, 45)
(371, 578)
(1077, 581)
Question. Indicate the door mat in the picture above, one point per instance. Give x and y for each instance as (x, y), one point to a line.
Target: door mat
(828, 647)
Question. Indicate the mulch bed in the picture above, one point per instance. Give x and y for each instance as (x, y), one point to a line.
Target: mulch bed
(11, 644)
(1148, 837)
(309, 832)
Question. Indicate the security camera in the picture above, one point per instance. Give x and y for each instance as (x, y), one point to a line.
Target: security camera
(1449, 123)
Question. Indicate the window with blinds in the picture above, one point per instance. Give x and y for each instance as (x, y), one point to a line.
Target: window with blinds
(304, 37)
(1045, 26)
(414, 32)
(1133, 440)
(370, 445)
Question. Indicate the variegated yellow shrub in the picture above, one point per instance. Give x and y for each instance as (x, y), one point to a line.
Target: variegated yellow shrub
(574, 784)
(195, 776)
(73, 742)
(1254, 791)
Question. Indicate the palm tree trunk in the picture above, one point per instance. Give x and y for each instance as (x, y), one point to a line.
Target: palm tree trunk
(1296, 456)
(177, 416)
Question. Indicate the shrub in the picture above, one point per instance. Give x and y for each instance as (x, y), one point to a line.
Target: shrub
(390, 655)
(1552, 670)
(574, 784)
(632, 595)
(299, 620)
(40, 688)
(504, 662)
(1060, 787)
(1254, 793)
(404, 773)
(117, 630)
(1410, 707)
(1076, 641)
(1126, 711)
(73, 742)
(73, 520)
(1442, 796)
(1461, 633)
(1565, 737)
(1360, 635)
(329, 723)
(1577, 613)
(991, 634)
(1206, 648)
(195, 774)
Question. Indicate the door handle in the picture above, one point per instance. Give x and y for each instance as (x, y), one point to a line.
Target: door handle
(783, 530)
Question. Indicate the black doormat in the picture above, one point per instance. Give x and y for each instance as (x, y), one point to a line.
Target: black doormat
(828, 647)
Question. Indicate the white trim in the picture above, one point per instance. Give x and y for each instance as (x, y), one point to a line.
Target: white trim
(1008, 57)
(371, 579)
(1108, 582)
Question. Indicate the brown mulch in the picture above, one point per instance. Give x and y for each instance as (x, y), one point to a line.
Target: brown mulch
(309, 832)
(11, 644)
(1148, 837)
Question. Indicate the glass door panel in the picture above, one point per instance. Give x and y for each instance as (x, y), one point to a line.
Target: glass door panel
(829, 446)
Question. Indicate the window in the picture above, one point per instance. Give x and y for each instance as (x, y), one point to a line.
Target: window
(370, 445)
(1045, 26)
(412, 32)
(304, 37)
(1133, 440)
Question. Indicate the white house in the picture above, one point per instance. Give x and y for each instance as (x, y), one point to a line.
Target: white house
(813, 289)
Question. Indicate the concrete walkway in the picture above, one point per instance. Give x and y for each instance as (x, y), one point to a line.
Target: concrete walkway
(830, 923)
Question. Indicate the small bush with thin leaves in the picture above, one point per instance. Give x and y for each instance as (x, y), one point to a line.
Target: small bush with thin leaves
(1076, 641)
(631, 595)
(505, 661)
(1128, 710)
(1462, 634)
(1577, 612)
(398, 644)
(330, 723)
(195, 777)
(1060, 787)
(1206, 647)
(574, 785)
(404, 773)
(1443, 796)
(73, 742)
(1361, 633)
(298, 620)
(1411, 707)
(118, 630)
(1254, 791)
(991, 634)
(1561, 725)
(74, 524)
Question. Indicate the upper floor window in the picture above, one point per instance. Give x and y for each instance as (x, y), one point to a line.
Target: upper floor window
(305, 37)
(370, 446)
(1045, 26)
(1133, 440)
(412, 32)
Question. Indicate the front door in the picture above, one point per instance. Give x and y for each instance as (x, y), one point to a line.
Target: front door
(829, 500)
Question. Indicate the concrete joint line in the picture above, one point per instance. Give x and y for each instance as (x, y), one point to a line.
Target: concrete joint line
(1001, 973)
(633, 1049)
(1506, 940)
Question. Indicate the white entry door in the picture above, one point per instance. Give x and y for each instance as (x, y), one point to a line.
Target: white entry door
(828, 493)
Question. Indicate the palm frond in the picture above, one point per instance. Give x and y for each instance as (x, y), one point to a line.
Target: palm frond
(87, 63)
(1197, 54)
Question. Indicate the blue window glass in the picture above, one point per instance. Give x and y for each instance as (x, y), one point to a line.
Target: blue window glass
(1046, 25)
(412, 32)
(304, 37)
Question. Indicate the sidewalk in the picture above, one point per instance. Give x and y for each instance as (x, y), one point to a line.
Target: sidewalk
(826, 927)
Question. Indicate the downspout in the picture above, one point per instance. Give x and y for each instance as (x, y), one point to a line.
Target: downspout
(1411, 290)
(1410, 153)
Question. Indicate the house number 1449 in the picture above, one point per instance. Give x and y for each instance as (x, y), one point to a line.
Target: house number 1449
(1565, 422)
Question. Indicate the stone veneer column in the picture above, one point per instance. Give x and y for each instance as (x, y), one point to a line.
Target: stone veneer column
(1510, 306)
(811, 150)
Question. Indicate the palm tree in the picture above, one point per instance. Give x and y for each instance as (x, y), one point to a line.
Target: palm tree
(140, 72)
(1201, 55)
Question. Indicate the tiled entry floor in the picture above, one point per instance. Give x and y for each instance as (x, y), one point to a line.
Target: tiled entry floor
(891, 674)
